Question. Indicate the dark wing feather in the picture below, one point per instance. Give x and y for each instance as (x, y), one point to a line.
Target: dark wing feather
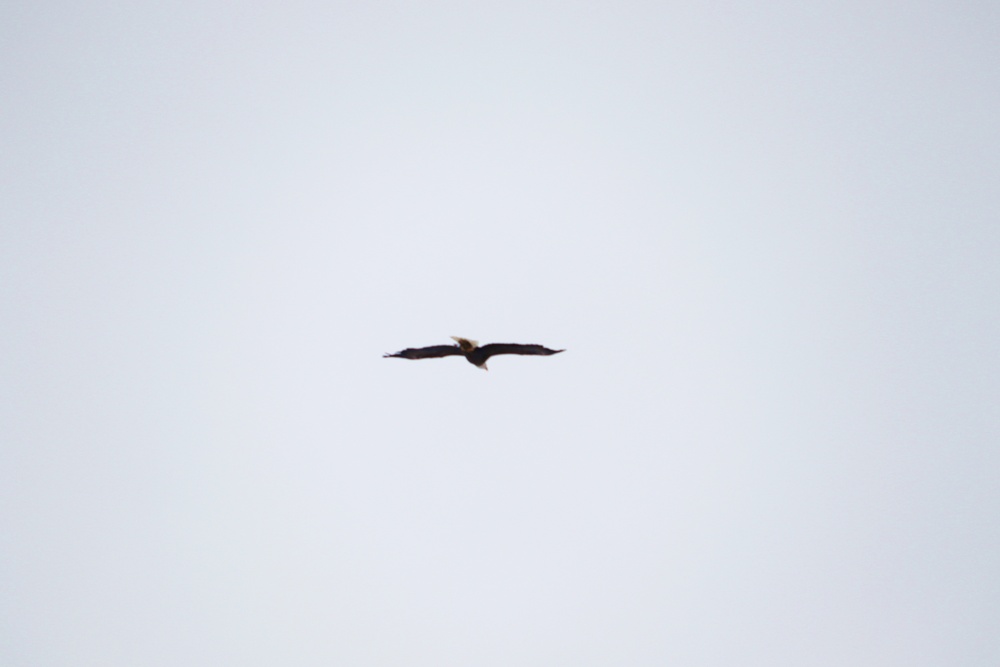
(431, 352)
(493, 349)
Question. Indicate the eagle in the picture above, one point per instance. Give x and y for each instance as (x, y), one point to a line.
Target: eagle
(471, 350)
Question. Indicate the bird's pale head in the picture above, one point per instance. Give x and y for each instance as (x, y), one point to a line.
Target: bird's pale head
(465, 344)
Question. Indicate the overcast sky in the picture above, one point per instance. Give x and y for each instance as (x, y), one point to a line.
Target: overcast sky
(767, 234)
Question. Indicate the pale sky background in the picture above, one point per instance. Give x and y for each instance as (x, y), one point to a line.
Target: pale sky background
(767, 234)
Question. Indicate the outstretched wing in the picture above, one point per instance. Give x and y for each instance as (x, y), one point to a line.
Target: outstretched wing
(431, 352)
(493, 349)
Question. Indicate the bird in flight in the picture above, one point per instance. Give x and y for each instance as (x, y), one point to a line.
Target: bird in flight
(471, 350)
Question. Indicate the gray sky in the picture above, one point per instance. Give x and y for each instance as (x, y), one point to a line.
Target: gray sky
(767, 236)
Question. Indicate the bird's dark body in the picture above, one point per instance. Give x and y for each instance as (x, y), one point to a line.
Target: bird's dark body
(474, 354)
